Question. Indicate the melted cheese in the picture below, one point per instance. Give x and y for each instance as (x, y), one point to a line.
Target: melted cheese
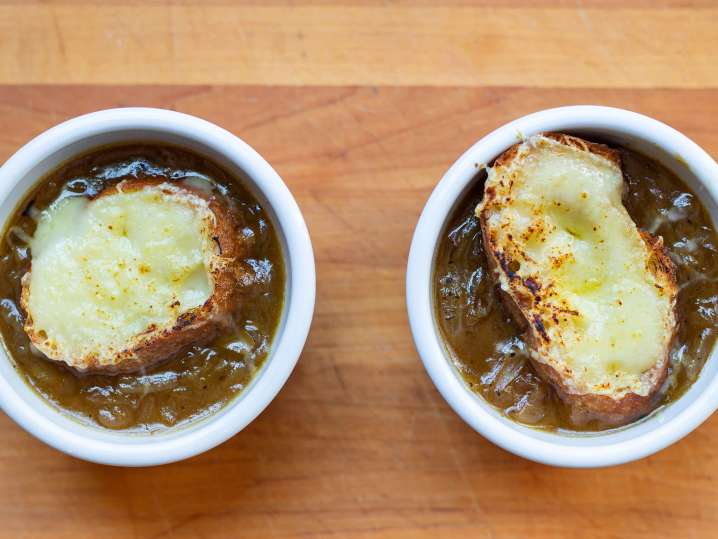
(558, 216)
(107, 270)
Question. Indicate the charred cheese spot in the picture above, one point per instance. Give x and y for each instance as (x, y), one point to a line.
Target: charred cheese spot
(108, 269)
(603, 308)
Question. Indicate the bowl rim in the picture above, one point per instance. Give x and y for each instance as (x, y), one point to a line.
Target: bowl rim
(147, 450)
(503, 432)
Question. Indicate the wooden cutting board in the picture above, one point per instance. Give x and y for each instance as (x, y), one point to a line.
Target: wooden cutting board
(361, 107)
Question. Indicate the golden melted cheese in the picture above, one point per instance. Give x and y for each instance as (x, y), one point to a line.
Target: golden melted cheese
(106, 270)
(577, 265)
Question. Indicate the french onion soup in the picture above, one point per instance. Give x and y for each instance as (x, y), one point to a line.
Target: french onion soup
(576, 284)
(141, 287)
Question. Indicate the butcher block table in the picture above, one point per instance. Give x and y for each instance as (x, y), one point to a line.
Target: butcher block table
(360, 107)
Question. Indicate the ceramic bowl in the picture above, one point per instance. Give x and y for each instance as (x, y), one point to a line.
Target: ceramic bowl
(82, 134)
(664, 427)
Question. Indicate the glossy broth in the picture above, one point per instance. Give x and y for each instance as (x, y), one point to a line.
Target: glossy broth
(202, 379)
(489, 350)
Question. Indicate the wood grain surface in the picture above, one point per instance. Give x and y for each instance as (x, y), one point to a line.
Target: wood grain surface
(360, 115)
(357, 44)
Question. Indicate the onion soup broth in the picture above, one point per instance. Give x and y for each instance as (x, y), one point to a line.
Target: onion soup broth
(197, 382)
(486, 345)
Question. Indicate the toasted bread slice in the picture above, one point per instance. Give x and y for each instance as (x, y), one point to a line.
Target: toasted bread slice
(596, 295)
(131, 277)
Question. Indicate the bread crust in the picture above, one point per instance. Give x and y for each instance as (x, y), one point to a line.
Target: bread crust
(584, 406)
(196, 326)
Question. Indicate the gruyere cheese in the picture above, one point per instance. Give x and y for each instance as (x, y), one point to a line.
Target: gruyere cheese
(577, 266)
(109, 269)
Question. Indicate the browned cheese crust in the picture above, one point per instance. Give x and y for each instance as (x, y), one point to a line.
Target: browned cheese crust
(196, 326)
(584, 406)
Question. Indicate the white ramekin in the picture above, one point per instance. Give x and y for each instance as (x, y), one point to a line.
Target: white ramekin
(78, 135)
(661, 429)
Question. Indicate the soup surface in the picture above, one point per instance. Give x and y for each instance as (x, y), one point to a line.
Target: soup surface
(489, 350)
(191, 385)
